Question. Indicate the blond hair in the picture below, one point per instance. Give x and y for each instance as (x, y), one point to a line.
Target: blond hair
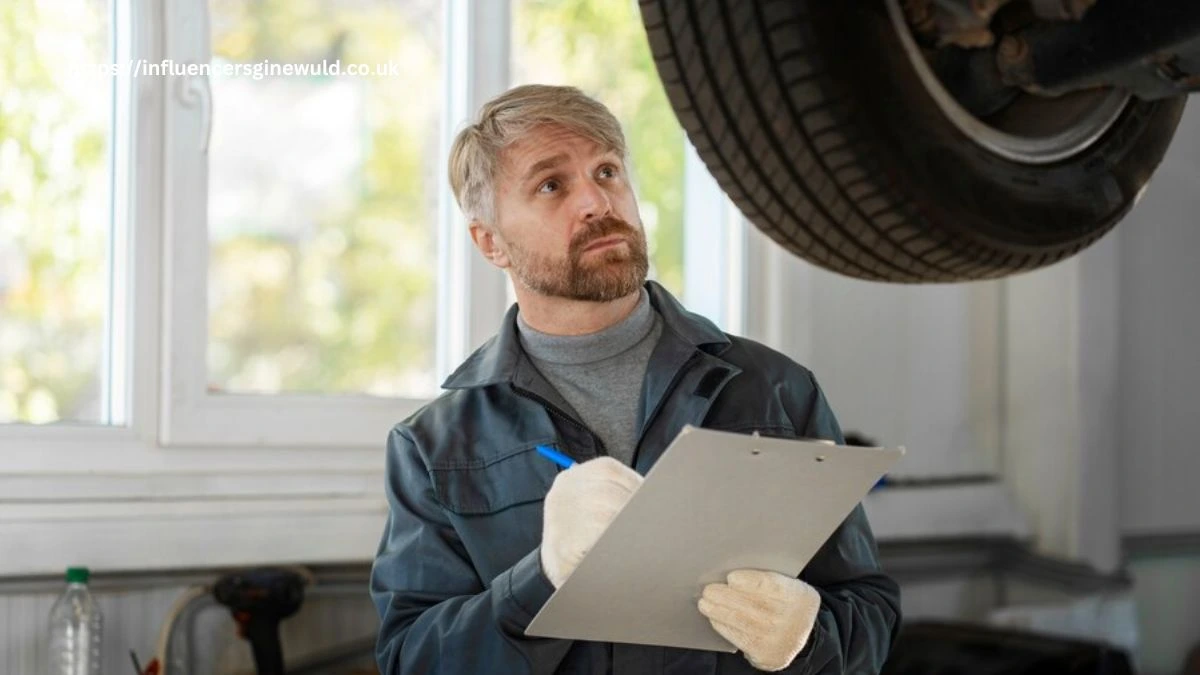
(475, 155)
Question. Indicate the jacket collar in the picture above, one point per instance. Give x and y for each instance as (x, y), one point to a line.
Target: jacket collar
(497, 360)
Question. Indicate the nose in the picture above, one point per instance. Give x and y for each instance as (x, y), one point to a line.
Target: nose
(593, 201)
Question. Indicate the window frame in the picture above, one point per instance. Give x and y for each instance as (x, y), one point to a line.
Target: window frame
(131, 161)
(191, 414)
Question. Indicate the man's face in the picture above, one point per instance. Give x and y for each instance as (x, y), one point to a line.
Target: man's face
(567, 223)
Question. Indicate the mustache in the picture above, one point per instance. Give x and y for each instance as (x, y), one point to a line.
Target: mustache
(599, 229)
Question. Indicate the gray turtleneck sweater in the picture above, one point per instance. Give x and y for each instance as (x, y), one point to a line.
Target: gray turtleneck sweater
(600, 374)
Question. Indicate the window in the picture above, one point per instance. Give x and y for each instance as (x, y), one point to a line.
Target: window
(323, 200)
(303, 218)
(58, 290)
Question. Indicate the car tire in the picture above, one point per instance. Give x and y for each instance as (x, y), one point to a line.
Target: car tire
(815, 123)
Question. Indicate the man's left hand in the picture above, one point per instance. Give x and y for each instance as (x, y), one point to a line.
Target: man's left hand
(766, 615)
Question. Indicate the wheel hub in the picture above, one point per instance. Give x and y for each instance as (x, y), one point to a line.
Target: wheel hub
(1030, 129)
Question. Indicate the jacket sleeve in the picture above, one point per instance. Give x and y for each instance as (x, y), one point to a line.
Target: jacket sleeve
(860, 605)
(437, 615)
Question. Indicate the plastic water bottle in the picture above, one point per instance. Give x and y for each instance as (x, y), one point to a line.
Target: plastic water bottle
(75, 628)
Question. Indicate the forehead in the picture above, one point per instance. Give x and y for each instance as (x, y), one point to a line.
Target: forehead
(543, 143)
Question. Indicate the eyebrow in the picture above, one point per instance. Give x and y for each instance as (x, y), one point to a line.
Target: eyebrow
(543, 164)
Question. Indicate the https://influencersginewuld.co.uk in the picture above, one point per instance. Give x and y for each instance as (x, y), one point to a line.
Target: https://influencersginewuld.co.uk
(135, 68)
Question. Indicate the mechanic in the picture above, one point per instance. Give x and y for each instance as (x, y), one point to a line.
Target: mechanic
(606, 367)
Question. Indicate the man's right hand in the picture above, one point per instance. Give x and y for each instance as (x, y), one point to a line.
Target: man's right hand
(581, 503)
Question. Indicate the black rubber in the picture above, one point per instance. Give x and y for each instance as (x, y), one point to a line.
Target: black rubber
(811, 118)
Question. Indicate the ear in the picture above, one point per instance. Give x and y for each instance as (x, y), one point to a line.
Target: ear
(490, 244)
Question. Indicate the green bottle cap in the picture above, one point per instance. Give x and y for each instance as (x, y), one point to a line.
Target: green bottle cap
(77, 575)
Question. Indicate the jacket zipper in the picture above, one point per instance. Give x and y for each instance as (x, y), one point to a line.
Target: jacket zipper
(557, 412)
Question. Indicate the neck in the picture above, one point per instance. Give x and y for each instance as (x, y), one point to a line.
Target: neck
(564, 316)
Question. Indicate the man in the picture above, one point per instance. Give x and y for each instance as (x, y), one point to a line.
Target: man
(606, 367)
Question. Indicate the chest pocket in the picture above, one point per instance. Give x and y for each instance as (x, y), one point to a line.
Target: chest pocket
(494, 485)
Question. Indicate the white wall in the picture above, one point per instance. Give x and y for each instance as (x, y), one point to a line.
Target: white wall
(1160, 345)
(914, 366)
(1061, 396)
(1159, 356)
(917, 366)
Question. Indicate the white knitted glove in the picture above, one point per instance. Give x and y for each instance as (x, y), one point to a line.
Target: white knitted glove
(766, 615)
(582, 501)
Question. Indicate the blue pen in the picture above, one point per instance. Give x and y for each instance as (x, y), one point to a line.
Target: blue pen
(556, 457)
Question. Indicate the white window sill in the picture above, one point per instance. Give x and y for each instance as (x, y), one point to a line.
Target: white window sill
(122, 504)
(159, 535)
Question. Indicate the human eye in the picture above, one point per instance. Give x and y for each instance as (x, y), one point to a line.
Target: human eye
(549, 186)
(607, 171)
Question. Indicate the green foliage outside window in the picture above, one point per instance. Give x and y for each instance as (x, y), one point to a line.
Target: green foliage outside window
(54, 210)
(332, 294)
